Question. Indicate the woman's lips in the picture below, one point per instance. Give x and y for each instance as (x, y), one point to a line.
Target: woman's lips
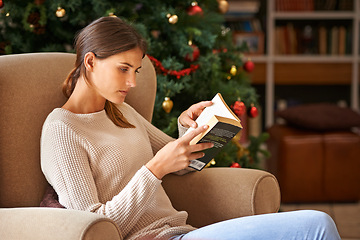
(123, 92)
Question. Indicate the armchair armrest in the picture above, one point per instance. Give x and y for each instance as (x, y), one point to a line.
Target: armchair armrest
(217, 194)
(57, 224)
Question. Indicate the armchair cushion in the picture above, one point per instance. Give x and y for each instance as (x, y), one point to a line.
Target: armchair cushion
(51, 199)
(56, 224)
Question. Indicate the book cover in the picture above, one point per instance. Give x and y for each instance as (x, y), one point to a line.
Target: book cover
(223, 126)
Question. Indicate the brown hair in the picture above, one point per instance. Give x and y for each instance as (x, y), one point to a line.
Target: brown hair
(104, 37)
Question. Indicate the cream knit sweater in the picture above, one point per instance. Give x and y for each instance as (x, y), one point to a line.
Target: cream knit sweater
(95, 166)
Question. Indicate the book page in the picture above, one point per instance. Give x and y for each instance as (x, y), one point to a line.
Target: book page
(218, 108)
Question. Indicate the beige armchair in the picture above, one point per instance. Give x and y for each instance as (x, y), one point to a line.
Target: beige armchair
(30, 87)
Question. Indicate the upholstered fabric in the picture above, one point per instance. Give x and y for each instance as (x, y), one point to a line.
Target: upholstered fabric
(320, 117)
(30, 88)
(216, 194)
(56, 224)
(50, 199)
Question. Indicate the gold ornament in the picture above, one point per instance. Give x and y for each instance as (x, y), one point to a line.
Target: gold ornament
(60, 12)
(173, 18)
(212, 162)
(223, 6)
(236, 139)
(233, 70)
(241, 149)
(167, 105)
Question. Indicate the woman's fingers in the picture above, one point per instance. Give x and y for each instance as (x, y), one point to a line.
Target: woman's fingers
(200, 106)
(201, 147)
(195, 150)
(188, 117)
(191, 135)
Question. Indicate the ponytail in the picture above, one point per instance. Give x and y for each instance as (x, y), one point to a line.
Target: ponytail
(116, 116)
(69, 83)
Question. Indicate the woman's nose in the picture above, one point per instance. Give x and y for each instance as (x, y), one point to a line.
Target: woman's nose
(131, 81)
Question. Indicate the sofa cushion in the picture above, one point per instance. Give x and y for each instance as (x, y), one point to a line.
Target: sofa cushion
(50, 199)
(320, 117)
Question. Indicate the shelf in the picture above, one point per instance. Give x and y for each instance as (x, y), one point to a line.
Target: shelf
(304, 73)
(287, 73)
(303, 58)
(257, 58)
(314, 15)
(313, 58)
(274, 70)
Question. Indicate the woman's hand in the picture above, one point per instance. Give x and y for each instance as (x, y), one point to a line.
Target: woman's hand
(188, 117)
(176, 155)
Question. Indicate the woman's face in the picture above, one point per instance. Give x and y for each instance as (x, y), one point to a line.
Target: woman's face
(114, 76)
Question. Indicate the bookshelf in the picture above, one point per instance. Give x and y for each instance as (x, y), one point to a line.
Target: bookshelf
(331, 62)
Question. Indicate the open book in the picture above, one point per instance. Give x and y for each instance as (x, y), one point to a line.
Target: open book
(223, 126)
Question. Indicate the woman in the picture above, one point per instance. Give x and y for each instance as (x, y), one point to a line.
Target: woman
(100, 158)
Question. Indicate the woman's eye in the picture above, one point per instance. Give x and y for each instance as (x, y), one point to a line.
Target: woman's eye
(124, 69)
(137, 71)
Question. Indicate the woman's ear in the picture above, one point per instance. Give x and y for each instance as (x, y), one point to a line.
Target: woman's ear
(89, 61)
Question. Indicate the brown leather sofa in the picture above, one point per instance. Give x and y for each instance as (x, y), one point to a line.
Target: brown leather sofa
(30, 87)
(313, 166)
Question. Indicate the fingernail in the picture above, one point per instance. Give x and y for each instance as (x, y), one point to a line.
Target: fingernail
(206, 126)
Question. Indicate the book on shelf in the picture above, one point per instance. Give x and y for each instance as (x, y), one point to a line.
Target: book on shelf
(286, 39)
(323, 40)
(223, 126)
(342, 40)
(334, 40)
(314, 5)
(291, 5)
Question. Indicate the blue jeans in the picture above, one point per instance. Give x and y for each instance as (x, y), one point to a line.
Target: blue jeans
(305, 224)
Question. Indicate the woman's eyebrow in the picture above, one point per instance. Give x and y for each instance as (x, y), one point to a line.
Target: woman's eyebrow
(127, 64)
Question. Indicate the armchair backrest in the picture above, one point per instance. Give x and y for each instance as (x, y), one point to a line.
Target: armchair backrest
(30, 88)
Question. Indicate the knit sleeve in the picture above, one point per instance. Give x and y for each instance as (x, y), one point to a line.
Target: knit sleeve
(181, 128)
(158, 139)
(64, 161)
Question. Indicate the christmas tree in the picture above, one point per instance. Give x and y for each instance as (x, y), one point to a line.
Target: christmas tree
(193, 53)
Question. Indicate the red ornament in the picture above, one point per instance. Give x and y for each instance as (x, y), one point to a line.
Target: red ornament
(194, 9)
(239, 108)
(195, 54)
(1, 3)
(235, 165)
(249, 66)
(253, 112)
